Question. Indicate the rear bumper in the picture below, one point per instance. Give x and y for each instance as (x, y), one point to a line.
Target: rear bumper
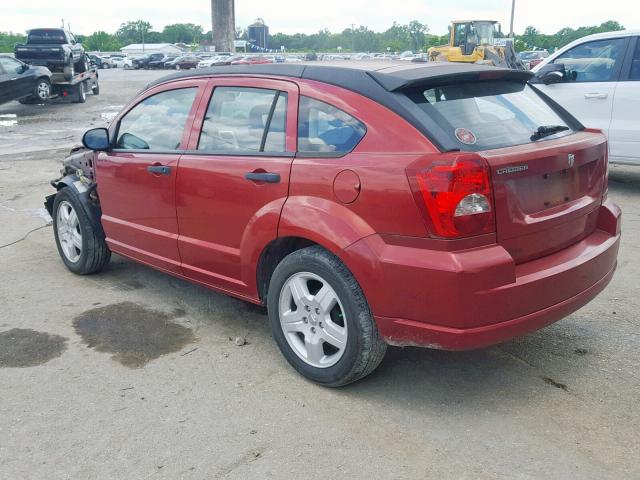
(477, 297)
(403, 332)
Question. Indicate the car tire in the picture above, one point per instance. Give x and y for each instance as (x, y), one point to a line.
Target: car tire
(69, 71)
(82, 65)
(82, 249)
(350, 346)
(80, 93)
(42, 92)
(95, 89)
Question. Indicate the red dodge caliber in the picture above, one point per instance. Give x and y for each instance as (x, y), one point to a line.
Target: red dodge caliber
(440, 205)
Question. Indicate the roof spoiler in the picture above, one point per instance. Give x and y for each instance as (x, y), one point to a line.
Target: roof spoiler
(421, 78)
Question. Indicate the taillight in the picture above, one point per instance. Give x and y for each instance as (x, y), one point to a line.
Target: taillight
(457, 197)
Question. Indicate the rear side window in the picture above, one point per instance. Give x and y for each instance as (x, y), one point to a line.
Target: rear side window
(592, 61)
(244, 120)
(156, 123)
(324, 128)
(490, 114)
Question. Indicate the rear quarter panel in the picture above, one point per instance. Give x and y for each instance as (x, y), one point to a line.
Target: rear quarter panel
(384, 204)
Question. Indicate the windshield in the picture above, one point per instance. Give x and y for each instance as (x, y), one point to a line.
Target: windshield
(489, 114)
(484, 32)
(47, 36)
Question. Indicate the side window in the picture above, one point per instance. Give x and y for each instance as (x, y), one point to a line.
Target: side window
(156, 123)
(9, 65)
(244, 119)
(592, 61)
(325, 128)
(635, 65)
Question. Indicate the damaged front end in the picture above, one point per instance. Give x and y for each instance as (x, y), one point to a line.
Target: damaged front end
(77, 174)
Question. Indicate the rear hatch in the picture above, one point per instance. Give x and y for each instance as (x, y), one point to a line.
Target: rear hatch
(547, 198)
(547, 172)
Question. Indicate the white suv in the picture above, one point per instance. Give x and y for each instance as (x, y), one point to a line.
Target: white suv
(597, 79)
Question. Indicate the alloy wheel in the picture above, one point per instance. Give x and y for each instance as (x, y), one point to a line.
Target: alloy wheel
(313, 320)
(69, 233)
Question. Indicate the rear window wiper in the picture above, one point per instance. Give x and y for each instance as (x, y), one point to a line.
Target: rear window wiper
(546, 130)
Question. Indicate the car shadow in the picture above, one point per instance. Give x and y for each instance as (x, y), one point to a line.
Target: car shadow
(518, 369)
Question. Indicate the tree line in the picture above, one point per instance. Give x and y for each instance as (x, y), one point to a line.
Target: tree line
(414, 36)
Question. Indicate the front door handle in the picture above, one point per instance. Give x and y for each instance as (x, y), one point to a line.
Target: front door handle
(159, 169)
(265, 177)
(598, 96)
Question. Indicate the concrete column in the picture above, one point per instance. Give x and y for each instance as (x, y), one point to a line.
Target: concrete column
(223, 24)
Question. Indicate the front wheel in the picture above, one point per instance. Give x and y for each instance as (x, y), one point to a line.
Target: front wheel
(82, 249)
(321, 320)
(43, 90)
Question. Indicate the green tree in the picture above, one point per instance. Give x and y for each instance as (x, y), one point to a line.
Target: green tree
(417, 32)
(8, 41)
(133, 32)
(182, 33)
(102, 42)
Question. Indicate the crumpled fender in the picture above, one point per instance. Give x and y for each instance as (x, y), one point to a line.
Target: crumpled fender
(82, 192)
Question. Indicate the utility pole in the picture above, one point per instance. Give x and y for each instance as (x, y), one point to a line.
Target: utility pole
(353, 37)
(513, 9)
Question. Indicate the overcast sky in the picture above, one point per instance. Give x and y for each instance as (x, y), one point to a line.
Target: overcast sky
(291, 16)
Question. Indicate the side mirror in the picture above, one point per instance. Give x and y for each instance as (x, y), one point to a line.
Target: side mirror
(24, 67)
(97, 139)
(550, 73)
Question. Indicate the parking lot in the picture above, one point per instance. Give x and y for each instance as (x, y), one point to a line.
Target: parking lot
(183, 382)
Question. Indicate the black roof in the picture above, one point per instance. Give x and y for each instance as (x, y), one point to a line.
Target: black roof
(382, 81)
(392, 76)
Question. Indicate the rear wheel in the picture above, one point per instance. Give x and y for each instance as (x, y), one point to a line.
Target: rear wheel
(81, 248)
(95, 89)
(69, 71)
(321, 320)
(83, 64)
(80, 93)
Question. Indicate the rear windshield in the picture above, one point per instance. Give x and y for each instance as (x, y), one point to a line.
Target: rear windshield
(48, 36)
(490, 114)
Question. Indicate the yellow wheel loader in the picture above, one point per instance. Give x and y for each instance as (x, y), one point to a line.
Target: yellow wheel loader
(475, 41)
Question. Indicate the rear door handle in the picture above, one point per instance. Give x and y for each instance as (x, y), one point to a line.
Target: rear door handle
(599, 96)
(265, 177)
(159, 169)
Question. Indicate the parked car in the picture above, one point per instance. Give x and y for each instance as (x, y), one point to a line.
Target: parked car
(441, 205)
(108, 61)
(597, 78)
(54, 48)
(212, 61)
(252, 60)
(122, 62)
(531, 58)
(144, 60)
(184, 62)
(19, 81)
(99, 62)
(160, 63)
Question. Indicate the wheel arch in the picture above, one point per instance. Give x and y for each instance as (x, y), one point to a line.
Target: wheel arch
(307, 221)
(86, 196)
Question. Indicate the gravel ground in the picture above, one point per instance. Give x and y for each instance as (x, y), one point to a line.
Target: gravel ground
(163, 389)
